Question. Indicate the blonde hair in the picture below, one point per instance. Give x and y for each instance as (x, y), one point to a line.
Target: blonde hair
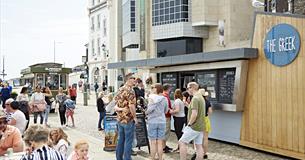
(194, 85)
(79, 143)
(60, 90)
(101, 95)
(110, 97)
(60, 135)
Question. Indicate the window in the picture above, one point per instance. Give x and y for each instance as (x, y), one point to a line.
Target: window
(63, 80)
(92, 47)
(52, 81)
(98, 21)
(105, 27)
(93, 2)
(169, 11)
(132, 16)
(98, 47)
(92, 23)
(178, 46)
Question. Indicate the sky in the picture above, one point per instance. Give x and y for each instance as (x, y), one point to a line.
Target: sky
(28, 29)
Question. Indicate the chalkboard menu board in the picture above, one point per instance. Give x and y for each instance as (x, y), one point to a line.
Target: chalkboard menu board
(141, 131)
(208, 80)
(226, 85)
(171, 79)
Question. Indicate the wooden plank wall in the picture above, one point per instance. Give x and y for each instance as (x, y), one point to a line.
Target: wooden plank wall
(274, 112)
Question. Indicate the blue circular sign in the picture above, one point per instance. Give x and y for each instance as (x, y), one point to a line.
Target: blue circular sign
(282, 44)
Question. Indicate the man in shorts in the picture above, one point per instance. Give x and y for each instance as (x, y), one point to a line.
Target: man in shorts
(194, 129)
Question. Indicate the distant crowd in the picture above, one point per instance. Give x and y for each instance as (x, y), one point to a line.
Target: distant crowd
(38, 142)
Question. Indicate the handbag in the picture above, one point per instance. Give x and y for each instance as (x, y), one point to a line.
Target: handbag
(41, 107)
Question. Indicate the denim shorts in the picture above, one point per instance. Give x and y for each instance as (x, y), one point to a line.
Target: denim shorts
(156, 131)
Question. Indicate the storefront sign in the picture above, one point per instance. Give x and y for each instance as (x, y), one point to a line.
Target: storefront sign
(53, 69)
(282, 44)
(111, 134)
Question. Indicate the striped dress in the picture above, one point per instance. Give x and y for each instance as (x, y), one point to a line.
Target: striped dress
(44, 153)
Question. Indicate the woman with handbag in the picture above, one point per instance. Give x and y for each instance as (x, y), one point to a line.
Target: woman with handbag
(38, 104)
(48, 95)
(60, 99)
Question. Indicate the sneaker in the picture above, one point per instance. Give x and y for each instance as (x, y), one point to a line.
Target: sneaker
(133, 153)
(193, 156)
(100, 129)
(167, 147)
(205, 156)
(166, 150)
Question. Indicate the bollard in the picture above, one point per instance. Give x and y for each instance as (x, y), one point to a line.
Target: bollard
(85, 98)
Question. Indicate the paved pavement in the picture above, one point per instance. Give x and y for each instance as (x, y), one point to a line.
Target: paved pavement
(86, 128)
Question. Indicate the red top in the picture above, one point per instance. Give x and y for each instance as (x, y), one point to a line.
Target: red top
(72, 92)
(165, 94)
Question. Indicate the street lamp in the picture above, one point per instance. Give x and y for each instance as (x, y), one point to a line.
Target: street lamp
(85, 61)
(54, 45)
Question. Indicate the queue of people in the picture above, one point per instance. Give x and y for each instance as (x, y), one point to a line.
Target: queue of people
(190, 111)
(192, 104)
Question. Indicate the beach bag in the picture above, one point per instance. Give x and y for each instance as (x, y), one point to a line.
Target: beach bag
(39, 107)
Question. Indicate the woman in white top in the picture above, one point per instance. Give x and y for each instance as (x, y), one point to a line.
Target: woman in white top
(110, 104)
(38, 104)
(17, 118)
(59, 141)
(178, 114)
(24, 107)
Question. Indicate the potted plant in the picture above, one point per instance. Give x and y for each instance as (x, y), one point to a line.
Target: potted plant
(14, 95)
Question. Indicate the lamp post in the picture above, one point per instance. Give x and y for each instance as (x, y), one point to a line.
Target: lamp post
(54, 49)
(85, 61)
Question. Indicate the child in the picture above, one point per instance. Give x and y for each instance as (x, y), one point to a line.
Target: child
(70, 106)
(80, 151)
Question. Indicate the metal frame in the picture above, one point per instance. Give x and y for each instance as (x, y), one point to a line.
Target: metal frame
(241, 72)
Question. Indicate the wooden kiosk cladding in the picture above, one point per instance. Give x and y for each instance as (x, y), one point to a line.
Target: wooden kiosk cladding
(274, 112)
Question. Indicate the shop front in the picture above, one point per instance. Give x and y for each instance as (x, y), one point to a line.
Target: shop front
(52, 75)
(222, 73)
(257, 93)
(273, 118)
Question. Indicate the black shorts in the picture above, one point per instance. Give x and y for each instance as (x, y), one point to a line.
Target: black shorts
(73, 98)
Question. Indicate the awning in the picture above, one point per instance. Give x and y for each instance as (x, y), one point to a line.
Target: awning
(224, 55)
(28, 76)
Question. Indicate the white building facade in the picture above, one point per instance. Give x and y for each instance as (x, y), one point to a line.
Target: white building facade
(98, 48)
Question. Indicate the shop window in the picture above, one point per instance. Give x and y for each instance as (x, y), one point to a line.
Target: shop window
(63, 80)
(178, 46)
(52, 81)
(39, 80)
